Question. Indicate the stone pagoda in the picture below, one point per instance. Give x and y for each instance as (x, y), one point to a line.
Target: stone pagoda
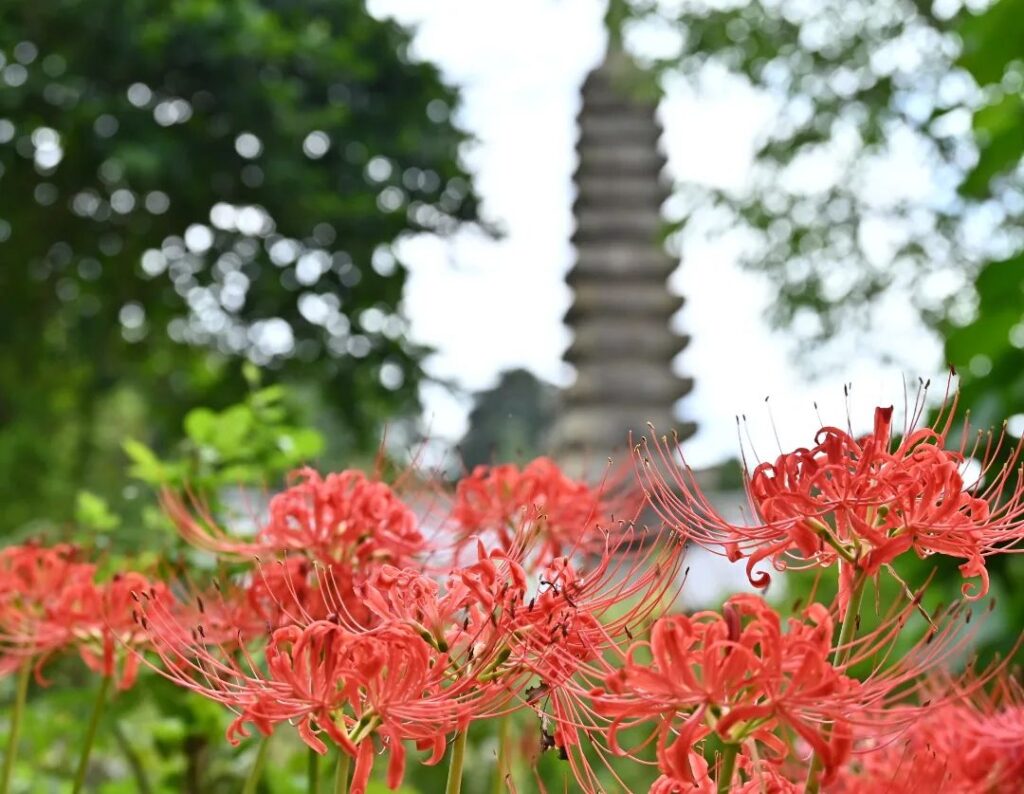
(623, 345)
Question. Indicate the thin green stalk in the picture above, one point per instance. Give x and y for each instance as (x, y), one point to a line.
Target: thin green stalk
(454, 785)
(313, 772)
(142, 784)
(21, 693)
(256, 772)
(90, 733)
(728, 767)
(501, 771)
(841, 655)
(850, 620)
(341, 773)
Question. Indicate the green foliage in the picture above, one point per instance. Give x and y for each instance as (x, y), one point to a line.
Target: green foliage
(992, 41)
(93, 513)
(190, 186)
(847, 81)
(250, 443)
(856, 85)
(993, 53)
(989, 351)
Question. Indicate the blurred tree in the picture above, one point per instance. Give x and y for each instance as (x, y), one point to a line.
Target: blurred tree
(510, 422)
(854, 186)
(990, 346)
(188, 185)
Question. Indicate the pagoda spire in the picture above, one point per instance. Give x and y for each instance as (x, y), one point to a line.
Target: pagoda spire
(623, 345)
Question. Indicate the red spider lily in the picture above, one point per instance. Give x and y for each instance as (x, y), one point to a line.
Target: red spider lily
(343, 518)
(417, 663)
(497, 501)
(388, 683)
(746, 678)
(32, 578)
(347, 684)
(738, 675)
(337, 528)
(684, 771)
(764, 778)
(565, 632)
(98, 620)
(575, 624)
(863, 501)
(970, 744)
(420, 660)
(50, 603)
(294, 591)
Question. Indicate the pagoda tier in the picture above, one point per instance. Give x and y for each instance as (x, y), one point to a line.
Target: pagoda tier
(623, 346)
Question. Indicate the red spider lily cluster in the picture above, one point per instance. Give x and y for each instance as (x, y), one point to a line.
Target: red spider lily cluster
(356, 637)
(375, 627)
(861, 501)
(50, 603)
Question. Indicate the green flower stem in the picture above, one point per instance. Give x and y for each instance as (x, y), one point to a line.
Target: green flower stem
(90, 733)
(256, 772)
(728, 768)
(142, 784)
(841, 655)
(829, 537)
(454, 785)
(341, 773)
(313, 771)
(21, 693)
(849, 627)
(501, 770)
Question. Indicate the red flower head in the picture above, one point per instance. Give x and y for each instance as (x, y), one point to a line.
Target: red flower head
(32, 578)
(497, 501)
(331, 683)
(739, 675)
(353, 687)
(756, 683)
(974, 743)
(426, 662)
(100, 621)
(344, 518)
(334, 529)
(862, 501)
(683, 771)
(49, 603)
(384, 654)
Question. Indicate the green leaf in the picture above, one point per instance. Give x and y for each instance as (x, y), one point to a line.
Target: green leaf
(252, 375)
(268, 396)
(1000, 143)
(146, 465)
(992, 40)
(93, 512)
(301, 445)
(201, 425)
(233, 430)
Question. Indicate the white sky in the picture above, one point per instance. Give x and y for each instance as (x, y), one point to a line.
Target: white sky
(491, 305)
